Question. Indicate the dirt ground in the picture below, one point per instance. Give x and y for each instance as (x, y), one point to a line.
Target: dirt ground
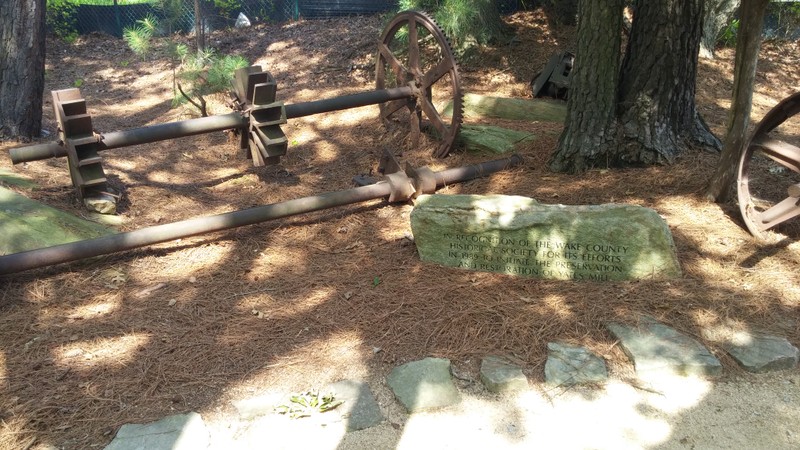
(298, 303)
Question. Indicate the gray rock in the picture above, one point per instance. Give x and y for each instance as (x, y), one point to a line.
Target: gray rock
(424, 384)
(178, 432)
(487, 138)
(500, 376)
(260, 405)
(569, 365)
(102, 204)
(760, 352)
(359, 409)
(655, 347)
(518, 236)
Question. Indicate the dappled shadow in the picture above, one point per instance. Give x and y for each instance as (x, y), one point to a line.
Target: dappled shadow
(341, 294)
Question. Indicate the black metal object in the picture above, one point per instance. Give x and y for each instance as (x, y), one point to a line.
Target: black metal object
(553, 81)
(398, 186)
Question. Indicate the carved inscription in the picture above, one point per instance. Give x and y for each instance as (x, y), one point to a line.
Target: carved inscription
(545, 258)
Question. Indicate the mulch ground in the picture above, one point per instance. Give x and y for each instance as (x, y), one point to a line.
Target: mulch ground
(301, 302)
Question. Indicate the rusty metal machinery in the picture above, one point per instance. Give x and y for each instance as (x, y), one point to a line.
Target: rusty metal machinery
(416, 75)
(413, 51)
(398, 185)
(768, 183)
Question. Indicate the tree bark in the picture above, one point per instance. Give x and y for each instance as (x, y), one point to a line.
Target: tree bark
(199, 26)
(718, 14)
(22, 53)
(748, 42)
(589, 130)
(656, 107)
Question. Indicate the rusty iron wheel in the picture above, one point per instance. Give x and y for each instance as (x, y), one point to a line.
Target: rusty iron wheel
(768, 182)
(413, 51)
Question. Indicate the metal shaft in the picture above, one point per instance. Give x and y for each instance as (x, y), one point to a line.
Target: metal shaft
(347, 102)
(18, 262)
(191, 127)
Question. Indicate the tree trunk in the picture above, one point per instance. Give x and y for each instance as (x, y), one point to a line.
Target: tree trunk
(744, 73)
(718, 14)
(656, 106)
(199, 26)
(589, 127)
(22, 52)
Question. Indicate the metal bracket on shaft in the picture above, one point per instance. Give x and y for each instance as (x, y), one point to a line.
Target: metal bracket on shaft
(81, 144)
(264, 139)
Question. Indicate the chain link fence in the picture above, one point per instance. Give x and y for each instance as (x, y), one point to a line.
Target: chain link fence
(112, 16)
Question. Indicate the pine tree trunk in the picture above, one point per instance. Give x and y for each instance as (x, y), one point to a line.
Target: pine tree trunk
(22, 52)
(589, 126)
(744, 73)
(656, 105)
(718, 14)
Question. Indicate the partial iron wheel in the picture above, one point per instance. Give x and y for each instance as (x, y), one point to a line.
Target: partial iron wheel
(768, 184)
(413, 51)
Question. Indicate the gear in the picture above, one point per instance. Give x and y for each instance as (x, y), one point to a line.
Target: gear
(413, 51)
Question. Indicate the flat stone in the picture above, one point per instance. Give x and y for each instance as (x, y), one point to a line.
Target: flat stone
(655, 347)
(540, 110)
(26, 224)
(359, 410)
(491, 139)
(178, 432)
(424, 384)
(501, 376)
(755, 351)
(260, 405)
(519, 236)
(568, 365)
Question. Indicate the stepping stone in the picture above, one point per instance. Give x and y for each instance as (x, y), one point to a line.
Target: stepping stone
(568, 365)
(756, 352)
(424, 384)
(359, 409)
(655, 347)
(501, 377)
(179, 432)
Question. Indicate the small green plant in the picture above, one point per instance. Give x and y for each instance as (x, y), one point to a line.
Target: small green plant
(78, 82)
(124, 63)
(204, 73)
(727, 37)
(308, 403)
(139, 37)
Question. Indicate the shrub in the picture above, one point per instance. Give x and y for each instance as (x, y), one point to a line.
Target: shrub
(61, 17)
(463, 21)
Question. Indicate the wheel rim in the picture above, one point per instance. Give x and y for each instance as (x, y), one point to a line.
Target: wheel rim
(768, 183)
(413, 51)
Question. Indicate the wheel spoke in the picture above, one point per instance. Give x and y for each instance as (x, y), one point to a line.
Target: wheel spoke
(436, 73)
(783, 211)
(397, 67)
(392, 107)
(781, 152)
(433, 115)
(413, 46)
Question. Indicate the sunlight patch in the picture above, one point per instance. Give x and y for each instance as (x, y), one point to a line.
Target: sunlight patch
(113, 351)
